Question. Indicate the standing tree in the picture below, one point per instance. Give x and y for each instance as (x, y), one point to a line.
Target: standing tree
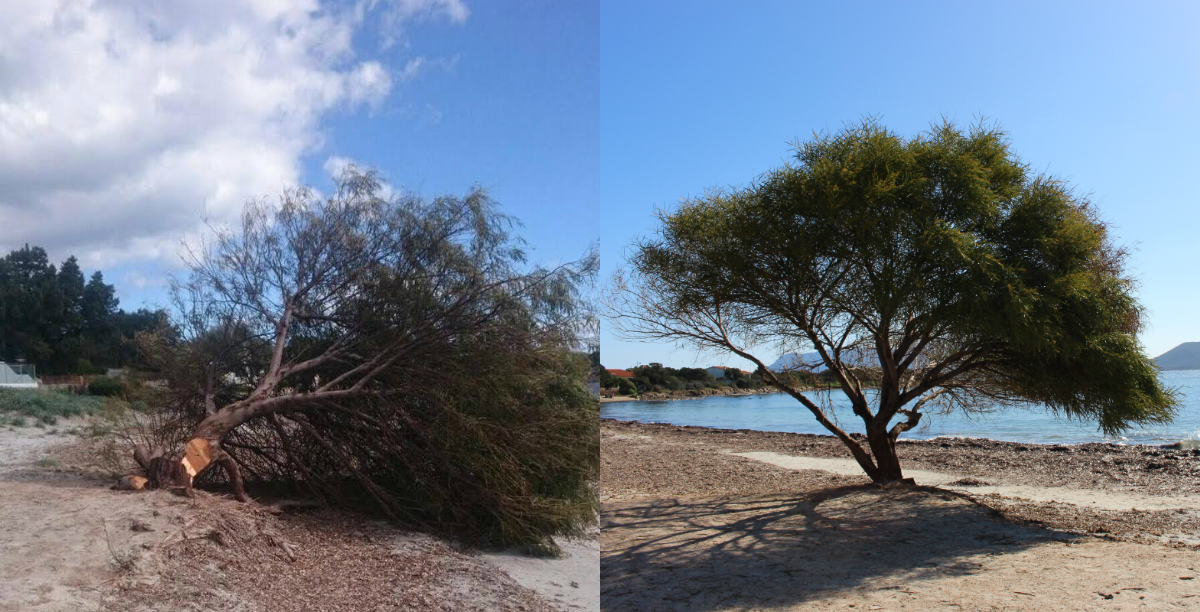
(939, 268)
(398, 350)
(67, 342)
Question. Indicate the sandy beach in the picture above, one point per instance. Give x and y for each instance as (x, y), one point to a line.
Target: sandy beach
(705, 519)
(618, 398)
(68, 542)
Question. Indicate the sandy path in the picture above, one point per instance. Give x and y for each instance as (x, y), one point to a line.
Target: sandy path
(1093, 498)
(871, 549)
(689, 527)
(56, 553)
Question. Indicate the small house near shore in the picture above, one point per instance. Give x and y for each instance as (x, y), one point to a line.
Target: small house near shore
(719, 371)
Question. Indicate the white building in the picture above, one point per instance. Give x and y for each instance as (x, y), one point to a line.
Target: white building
(10, 379)
(719, 371)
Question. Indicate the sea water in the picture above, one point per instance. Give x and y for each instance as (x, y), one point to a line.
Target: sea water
(781, 412)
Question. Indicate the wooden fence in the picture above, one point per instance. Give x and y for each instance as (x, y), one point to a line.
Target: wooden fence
(65, 379)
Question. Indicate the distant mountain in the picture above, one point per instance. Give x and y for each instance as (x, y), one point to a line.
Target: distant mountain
(1186, 356)
(792, 361)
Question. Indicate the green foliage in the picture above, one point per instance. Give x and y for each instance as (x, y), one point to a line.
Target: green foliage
(608, 381)
(511, 484)
(694, 374)
(626, 387)
(52, 319)
(981, 279)
(45, 407)
(105, 386)
(666, 378)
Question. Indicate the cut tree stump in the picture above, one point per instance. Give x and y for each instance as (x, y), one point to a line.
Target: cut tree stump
(179, 471)
(197, 455)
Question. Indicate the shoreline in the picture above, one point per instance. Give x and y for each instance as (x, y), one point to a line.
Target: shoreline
(1179, 445)
(1133, 468)
(651, 396)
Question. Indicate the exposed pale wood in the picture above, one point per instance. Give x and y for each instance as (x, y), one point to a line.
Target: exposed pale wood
(197, 455)
(132, 482)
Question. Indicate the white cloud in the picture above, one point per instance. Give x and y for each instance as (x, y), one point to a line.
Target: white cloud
(396, 13)
(369, 83)
(415, 66)
(337, 165)
(123, 121)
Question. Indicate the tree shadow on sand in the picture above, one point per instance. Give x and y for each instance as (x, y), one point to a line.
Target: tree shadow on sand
(777, 550)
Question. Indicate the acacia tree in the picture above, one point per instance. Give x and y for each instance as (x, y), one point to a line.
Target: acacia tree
(932, 269)
(396, 344)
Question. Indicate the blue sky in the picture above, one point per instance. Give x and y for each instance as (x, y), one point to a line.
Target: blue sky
(514, 110)
(581, 118)
(701, 94)
(190, 108)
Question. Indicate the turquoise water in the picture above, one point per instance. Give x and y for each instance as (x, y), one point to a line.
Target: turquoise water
(779, 412)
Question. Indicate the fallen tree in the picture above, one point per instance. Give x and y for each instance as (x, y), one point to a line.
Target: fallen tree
(398, 351)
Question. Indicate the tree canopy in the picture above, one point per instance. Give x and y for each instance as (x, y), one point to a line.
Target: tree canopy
(940, 268)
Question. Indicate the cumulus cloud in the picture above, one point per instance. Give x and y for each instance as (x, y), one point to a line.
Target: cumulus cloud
(122, 122)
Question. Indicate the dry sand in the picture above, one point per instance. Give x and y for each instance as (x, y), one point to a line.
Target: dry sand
(60, 534)
(67, 542)
(689, 525)
(1090, 498)
(571, 582)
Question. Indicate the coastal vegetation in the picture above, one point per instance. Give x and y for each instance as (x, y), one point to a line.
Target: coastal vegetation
(685, 382)
(18, 405)
(940, 266)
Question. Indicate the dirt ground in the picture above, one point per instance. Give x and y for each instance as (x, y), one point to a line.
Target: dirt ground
(688, 525)
(67, 542)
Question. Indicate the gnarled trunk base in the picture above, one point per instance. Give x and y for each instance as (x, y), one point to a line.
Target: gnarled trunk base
(179, 470)
(885, 465)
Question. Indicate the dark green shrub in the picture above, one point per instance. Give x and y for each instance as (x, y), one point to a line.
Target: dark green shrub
(626, 387)
(608, 381)
(105, 386)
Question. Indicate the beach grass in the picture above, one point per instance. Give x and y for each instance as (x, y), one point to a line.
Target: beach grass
(17, 406)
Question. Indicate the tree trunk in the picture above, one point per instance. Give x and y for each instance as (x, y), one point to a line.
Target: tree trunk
(883, 449)
(179, 469)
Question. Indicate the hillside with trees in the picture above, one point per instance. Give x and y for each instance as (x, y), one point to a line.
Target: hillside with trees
(52, 318)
